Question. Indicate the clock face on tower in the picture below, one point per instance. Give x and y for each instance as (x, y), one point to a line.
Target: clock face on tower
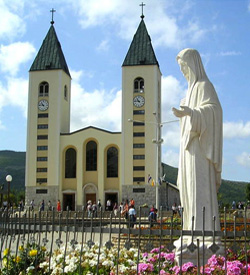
(138, 101)
(43, 105)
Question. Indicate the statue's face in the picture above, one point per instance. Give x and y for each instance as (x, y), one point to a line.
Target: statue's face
(184, 68)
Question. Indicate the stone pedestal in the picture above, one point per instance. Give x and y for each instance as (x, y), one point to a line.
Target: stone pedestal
(188, 251)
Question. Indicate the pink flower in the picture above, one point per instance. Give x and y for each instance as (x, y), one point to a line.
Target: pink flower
(186, 266)
(145, 268)
(145, 255)
(163, 272)
(155, 250)
(234, 268)
(176, 269)
(169, 257)
(207, 270)
(152, 260)
(212, 260)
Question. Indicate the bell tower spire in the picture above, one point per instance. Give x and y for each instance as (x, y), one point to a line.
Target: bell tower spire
(141, 106)
(48, 117)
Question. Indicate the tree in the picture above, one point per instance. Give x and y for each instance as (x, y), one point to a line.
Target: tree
(248, 192)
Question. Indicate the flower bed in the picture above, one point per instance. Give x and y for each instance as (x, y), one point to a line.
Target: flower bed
(80, 259)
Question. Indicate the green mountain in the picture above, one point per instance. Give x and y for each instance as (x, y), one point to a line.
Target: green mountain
(13, 163)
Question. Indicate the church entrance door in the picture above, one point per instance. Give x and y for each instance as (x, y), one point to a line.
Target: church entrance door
(113, 197)
(69, 201)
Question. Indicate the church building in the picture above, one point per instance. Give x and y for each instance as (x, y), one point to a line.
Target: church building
(93, 163)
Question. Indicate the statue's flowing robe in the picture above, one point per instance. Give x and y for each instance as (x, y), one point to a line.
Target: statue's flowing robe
(200, 159)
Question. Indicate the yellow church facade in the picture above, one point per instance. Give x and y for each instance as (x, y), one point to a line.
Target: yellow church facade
(92, 163)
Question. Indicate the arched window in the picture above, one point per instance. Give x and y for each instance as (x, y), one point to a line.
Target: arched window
(70, 163)
(91, 156)
(112, 162)
(139, 85)
(65, 92)
(44, 89)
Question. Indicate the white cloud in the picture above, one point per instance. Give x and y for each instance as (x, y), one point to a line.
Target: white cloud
(14, 94)
(12, 25)
(85, 104)
(103, 46)
(170, 32)
(244, 159)
(236, 129)
(172, 93)
(94, 13)
(14, 55)
(171, 157)
(17, 94)
(171, 134)
(230, 53)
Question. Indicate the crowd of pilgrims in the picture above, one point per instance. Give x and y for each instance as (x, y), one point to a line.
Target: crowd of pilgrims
(125, 209)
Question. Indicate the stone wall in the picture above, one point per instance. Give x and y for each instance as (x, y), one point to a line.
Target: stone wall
(145, 194)
(41, 193)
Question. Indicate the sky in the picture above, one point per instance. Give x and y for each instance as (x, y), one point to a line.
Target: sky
(95, 36)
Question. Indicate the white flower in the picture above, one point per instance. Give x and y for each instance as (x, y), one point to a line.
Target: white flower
(59, 257)
(57, 270)
(92, 262)
(108, 263)
(123, 268)
(30, 268)
(70, 268)
(44, 265)
(78, 247)
(130, 262)
(102, 257)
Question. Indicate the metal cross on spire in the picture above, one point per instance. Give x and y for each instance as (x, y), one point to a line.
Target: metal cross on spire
(142, 5)
(52, 11)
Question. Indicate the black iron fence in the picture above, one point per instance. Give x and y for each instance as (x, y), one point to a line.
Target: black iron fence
(54, 229)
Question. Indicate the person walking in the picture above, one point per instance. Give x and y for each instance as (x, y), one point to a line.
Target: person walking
(58, 207)
(42, 206)
(132, 216)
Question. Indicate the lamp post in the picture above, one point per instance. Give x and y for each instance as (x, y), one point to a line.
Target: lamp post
(9, 180)
(158, 141)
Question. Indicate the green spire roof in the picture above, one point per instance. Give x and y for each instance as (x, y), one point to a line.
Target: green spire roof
(141, 51)
(50, 55)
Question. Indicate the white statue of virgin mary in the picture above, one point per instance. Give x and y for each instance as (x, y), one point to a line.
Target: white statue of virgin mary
(200, 161)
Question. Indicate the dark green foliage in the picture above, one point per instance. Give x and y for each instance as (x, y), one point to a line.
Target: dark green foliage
(12, 163)
(248, 192)
(233, 191)
(170, 173)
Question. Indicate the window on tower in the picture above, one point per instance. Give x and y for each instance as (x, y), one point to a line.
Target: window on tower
(44, 89)
(138, 168)
(139, 112)
(138, 145)
(91, 156)
(65, 92)
(138, 156)
(70, 163)
(112, 162)
(139, 85)
(41, 180)
(139, 134)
